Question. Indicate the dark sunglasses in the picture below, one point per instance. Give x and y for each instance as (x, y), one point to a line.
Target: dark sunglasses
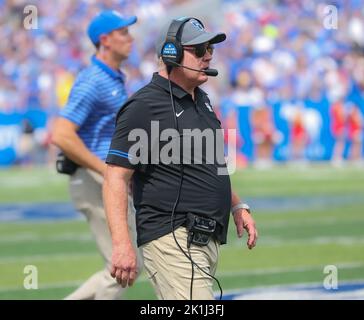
(200, 49)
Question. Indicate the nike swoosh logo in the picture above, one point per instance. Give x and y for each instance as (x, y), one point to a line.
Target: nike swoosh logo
(178, 114)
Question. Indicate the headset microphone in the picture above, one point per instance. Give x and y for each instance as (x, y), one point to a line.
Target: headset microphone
(209, 72)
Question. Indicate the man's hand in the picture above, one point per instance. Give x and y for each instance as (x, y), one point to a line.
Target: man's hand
(124, 265)
(115, 195)
(243, 220)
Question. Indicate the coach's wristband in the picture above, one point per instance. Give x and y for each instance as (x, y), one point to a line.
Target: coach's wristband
(240, 206)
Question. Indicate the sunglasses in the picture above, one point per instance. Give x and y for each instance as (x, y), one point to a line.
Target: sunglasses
(200, 49)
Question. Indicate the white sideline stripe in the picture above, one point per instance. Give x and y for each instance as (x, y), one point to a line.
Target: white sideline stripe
(277, 241)
(25, 237)
(85, 236)
(296, 285)
(264, 241)
(32, 180)
(281, 287)
(305, 222)
(57, 285)
(219, 274)
(350, 265)
(12, 184)
(42, 257)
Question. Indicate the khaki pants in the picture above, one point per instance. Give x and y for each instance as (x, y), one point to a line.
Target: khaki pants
(86, 194)
(170, 270)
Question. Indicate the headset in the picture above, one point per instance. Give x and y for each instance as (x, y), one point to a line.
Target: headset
(172, 49)
(172, 55)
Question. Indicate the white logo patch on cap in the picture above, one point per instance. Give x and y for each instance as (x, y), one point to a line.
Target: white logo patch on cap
(196, 24)
(117, 14)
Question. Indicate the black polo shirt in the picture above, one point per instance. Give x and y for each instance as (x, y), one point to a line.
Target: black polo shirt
(155, 184)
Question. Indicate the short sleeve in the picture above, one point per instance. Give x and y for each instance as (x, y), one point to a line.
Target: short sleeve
(129, 144)
(81, 102)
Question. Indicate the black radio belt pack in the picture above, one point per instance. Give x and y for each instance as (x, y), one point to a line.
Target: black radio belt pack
(200, 229)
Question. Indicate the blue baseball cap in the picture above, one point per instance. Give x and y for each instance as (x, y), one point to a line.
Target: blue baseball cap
(106, 22)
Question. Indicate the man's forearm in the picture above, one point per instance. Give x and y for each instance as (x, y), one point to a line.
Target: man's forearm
(64, 136)
(235, 199)
(115, 193)
(76, 150)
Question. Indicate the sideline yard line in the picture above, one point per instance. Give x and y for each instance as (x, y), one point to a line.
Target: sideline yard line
(57, 285)
(267, 242)
(279, 241)
(349, 265)
(297, 221)
(300, 285)
(225, 274)
(44, 257)
(28, 236)
(32, 178)
(64, 284)
(70, 236)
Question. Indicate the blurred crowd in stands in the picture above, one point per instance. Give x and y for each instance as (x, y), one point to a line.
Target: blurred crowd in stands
(291, 74)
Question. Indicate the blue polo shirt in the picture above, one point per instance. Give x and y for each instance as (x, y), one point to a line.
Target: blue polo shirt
(95, 98)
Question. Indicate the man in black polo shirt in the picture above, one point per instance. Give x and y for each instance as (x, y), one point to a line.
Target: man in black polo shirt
(157, 128)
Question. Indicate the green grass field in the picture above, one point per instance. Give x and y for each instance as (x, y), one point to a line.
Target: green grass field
(294, 246)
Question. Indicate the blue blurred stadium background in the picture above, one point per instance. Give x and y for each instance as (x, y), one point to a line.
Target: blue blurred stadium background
(293, 88)
(291, 81)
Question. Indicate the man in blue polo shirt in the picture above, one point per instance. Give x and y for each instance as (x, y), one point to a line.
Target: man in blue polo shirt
(83, 132)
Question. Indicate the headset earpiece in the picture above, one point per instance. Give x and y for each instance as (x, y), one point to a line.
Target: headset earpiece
(172, 49)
